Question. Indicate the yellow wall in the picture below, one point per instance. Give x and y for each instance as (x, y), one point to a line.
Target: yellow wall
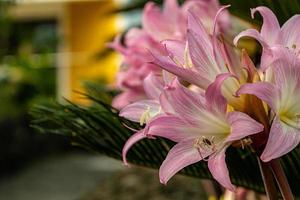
(90, 26)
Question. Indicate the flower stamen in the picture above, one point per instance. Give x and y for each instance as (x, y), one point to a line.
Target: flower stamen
(204, 144)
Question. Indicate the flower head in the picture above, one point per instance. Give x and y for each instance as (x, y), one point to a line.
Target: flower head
(272, 35)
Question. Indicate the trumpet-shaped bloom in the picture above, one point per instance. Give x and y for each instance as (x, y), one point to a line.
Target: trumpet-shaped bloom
(135, 66)
(202, 58)
(143, 110)
(157, 24)
(171, 21)
(283, 98)
(205, 122)
(271, 35)
(201, 127)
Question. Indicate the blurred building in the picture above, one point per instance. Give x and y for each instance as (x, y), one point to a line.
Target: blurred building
(83, 28)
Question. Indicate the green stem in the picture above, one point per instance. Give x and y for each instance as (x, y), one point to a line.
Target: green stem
(268, 180)
(281, 179)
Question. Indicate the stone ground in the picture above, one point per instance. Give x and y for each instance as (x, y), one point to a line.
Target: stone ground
(80, 176)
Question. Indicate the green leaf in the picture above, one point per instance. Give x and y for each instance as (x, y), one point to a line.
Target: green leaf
(100, 129)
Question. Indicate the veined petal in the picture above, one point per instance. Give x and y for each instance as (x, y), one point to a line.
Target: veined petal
(181, 155)
(175, 50)
(196, 26)
(218, 168)
(263, 90)
(126, 98)
(171, 127)
(184, 102)
(242, 126)
(270, 28)
(253, 34)
(141, 111)
(217, 54)
(282, 139)
(287, 78)
(160, 24)
(165, 104)
(202, 56)
(290, 33)
(153, 86)
(249, 66)
(130, 142)
(267, 58)
(186, 74)
(213, 95)
(287, 71)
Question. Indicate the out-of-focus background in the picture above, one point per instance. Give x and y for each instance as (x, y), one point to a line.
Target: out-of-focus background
(49, 49)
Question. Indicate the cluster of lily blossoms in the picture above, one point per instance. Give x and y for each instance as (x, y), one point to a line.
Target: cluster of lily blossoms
(203, 94)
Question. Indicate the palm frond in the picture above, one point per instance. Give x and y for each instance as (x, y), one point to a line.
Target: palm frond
(99, 128)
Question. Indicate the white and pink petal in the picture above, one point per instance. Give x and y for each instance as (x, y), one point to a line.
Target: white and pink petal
(282, 139)
(180, 156)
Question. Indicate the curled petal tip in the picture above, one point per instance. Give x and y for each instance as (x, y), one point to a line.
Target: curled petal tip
(253, 11)
(235, 41)
(169, 87)
(163, 181)
(264, 159)
(226, 6)
(125, 163)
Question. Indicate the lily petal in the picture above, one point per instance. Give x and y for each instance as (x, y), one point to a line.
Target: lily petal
(196, 26)
(135, 111)
(218, 168)
(175, 49)
(266, 54)
(213, 95)
(242, 126)
(171, 127)
(263, 90)
(282, 139)
(126, 98)
(181, 155)
(184, 102)
(253, 34)
(186, 74)
(290, 32)
(153, 86)
(202, 55)
(130, 142)
(270, 28)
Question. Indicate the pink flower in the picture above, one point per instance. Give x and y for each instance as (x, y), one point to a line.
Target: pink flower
(169, 23)
(271, 35)
(200, 126)
(135, 66)
(203, 58)
(144, 110)
(282, 96)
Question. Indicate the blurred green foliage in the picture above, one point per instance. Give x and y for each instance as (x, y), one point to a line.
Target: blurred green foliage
(27, 77)
(27, 72)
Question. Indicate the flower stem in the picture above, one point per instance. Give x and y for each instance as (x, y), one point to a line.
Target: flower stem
(281, 179)
(268, 180)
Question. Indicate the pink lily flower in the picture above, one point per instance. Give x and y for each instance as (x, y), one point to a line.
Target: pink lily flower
(282, 97)
(201, 127)
(144, 110)
(161, 24)
(272, 35)
(171, 21)
(202, 59)
(157, 25)
(136, 65)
